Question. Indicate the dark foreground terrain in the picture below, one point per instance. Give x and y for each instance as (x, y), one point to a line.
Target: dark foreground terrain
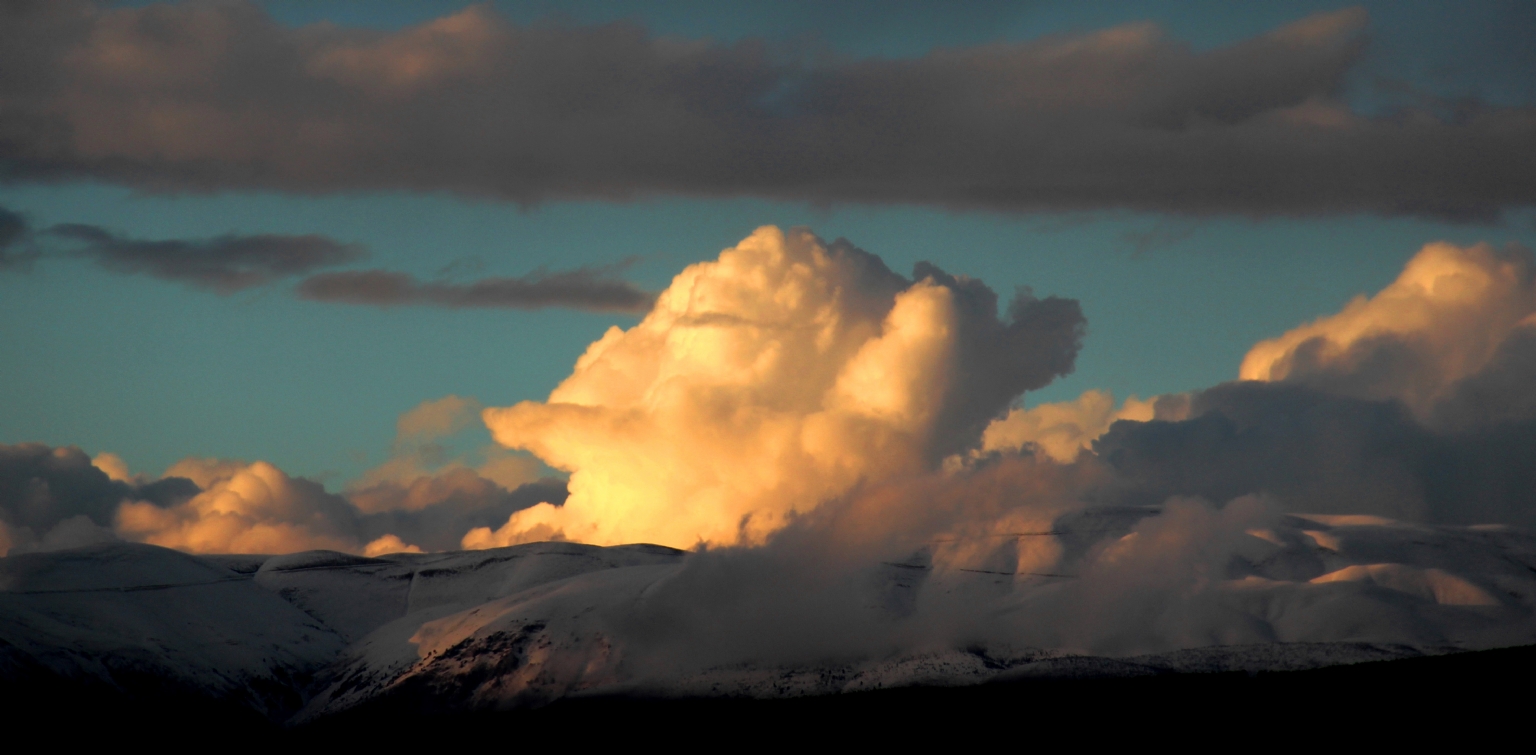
(1475, 696)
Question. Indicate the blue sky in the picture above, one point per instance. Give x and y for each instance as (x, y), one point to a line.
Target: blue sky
(156, 371)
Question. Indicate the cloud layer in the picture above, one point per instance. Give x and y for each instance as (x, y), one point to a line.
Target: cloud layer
(201, 97)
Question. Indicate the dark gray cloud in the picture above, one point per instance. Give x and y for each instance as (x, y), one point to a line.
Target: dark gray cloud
(1330, 454)
(583, 288)
(1417, 403)
(43, 489)
(224, 265)
(1502, 392)
(203, 97)
(14, 235)
(231, 263)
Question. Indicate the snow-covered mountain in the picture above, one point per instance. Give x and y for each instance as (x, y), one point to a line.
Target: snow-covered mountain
(304, 636)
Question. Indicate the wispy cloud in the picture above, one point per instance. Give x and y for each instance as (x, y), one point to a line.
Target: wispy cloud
(224, 265)
(585, 288)
(231, 263)
(14, 234)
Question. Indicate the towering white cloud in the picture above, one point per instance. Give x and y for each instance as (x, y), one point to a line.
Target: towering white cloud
(767, 381)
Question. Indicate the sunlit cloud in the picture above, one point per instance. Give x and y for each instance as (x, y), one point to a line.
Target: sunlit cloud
(242, 508)
(53, 498)
(1444, 319)
(388, 544)
(778, 376)
(1062, 430)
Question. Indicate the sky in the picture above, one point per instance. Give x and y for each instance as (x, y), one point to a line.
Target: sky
(270, 231)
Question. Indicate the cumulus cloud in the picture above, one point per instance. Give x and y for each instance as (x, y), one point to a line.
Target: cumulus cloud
(421, 497)
(1415, 403)
(790, 373)
(1064, 429)
(586, 288)
(780, 375)
(201, 97)
(1446, 317)
(243, 508)
(114, 467)
(837, 438)
(53, 498)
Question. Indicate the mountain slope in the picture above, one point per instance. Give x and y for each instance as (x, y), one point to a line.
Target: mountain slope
(306, 637)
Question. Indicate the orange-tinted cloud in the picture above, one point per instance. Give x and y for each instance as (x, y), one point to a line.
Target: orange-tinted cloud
(1414, 403)
(1443, 319)
(243, 508)
(1064, 429)
(387, 544)
(780, 375)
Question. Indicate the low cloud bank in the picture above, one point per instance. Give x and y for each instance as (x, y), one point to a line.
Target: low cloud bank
(420, 498)
(206, 97)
